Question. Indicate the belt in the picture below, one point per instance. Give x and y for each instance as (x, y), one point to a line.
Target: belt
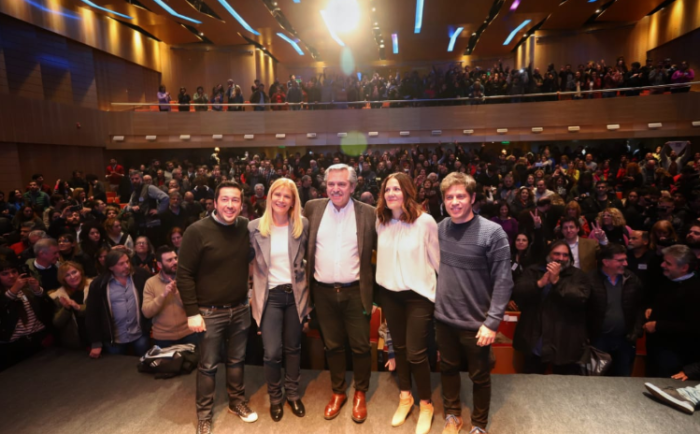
(286, 288)
(223, 306)
(337, 285)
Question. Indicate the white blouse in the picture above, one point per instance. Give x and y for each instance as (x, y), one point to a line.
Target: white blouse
(280, 271)
(408, 255)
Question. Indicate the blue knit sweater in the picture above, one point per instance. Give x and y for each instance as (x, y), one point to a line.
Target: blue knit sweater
(474, 282)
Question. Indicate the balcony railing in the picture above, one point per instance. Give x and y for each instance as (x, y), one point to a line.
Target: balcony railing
(433, 102)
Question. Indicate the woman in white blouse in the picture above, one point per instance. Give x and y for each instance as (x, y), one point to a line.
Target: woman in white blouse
(408, 255)
(280, 300)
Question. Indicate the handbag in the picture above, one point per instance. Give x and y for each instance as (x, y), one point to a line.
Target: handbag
(170, 361)
(594, 362)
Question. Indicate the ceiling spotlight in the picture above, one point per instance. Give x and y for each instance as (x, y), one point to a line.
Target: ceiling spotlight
(474, 34)
(381, 46)
(597, 11)
(201, 33)
(374, 9)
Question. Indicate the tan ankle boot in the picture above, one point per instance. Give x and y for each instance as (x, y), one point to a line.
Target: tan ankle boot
(405, 406)
(425, 420)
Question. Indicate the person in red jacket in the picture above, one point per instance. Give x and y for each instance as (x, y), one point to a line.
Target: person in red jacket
(115, 172)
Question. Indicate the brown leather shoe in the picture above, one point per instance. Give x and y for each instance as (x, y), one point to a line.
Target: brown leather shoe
(333, 408)
(359, 407)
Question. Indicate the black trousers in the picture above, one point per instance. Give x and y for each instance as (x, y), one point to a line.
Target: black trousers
(342, 318)
(409, 317)
(455, 346)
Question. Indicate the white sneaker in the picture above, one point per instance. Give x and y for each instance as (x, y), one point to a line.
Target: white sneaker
(244, 412)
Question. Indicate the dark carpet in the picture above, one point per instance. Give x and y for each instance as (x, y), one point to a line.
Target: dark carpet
(61, 392)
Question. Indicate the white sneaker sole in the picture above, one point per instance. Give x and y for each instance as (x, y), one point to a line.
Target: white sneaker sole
(684, 406)
(253, 417)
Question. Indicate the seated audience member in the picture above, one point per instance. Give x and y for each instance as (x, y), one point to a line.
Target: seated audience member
(68, 249)
(28, 253)
(208, 208)
(67, 223)
(176, 215)
(23, 312)
(523, 201)
(23, 243)
(43, 267)
(582, 249)
(615, 309)
(115, 236)
(552, 299)
(672, 322)
(37, 198)
(113, 314)
(163, 305)
(685, 399)
(92, 237)
(541, 192)
(26, 214)
(69, 309)
(610, 227)
(100, 258)
(573, 209)
(144, 255)
(692, 239)
(600, 201)
(175, 238)
(506, 220)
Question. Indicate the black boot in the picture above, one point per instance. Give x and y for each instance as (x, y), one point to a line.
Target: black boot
(297, 408)
(277, 411)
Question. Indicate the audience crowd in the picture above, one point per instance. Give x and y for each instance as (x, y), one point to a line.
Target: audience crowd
(605, 242)
(462, 82)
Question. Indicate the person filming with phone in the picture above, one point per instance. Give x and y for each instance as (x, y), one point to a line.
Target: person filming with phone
(23, 311)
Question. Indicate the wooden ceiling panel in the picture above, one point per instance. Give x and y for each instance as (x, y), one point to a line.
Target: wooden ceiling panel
(492, 39)
(440, 19)
(628, 10)
(571, 15)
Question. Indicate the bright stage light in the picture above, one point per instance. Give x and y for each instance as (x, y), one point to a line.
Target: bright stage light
(343, 15)
(395, 42)
(330, 29)
(515, 31)
(419, 16)
(453, 38)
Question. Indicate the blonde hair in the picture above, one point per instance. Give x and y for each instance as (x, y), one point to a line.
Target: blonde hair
(266, 222)
(618, 219)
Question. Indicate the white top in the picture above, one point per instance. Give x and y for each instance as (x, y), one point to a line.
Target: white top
(280, 272)
(574, 253)
(337, 254)
(408, 256)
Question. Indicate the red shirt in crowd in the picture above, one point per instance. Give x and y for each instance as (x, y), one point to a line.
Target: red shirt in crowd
(114, 172)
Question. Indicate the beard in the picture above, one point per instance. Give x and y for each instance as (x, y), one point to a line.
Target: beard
(564, 264)
(693, 244)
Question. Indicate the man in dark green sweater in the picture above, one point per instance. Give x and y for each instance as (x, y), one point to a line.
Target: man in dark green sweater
(212, 278)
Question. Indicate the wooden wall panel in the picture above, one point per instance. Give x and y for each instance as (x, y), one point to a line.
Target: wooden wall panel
(35, 63)
(56, 162)
(10, 172)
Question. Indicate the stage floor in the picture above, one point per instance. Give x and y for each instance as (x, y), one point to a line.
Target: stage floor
(58, 392)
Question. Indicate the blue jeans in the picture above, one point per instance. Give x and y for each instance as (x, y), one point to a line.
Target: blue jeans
(229, 326)
(189, 339)
(281, 335)
(140, 346)
(621, 351)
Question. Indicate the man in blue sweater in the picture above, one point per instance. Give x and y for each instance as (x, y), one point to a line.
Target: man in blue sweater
(473, 289)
